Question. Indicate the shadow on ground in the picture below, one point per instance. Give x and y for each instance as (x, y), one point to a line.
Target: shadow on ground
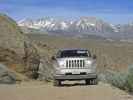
(72, 84)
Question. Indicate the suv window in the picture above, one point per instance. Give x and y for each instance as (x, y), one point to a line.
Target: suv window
(73, 53)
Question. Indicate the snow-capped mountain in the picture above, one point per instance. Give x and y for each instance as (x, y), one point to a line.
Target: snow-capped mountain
(44, 23)
(89, 25)
(82, 26)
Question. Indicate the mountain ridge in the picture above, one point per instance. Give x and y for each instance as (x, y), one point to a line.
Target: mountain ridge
(81, 26)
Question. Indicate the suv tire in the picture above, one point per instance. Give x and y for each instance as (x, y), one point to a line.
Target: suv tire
(87, 82)
(57, 83)
(94, 81)
(91, 81)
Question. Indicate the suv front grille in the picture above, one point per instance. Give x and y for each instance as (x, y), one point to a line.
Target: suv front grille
(75, 64)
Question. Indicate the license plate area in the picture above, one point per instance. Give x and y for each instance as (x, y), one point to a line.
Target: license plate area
(81, 73)
(68, 74)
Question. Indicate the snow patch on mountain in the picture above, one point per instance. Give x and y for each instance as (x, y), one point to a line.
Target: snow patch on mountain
(81, 26)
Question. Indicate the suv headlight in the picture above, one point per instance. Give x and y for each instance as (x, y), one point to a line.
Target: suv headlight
(61, 63)
(88, 62)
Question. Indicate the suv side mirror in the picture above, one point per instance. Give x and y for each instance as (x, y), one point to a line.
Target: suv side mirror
(94, 57)
(53, 58)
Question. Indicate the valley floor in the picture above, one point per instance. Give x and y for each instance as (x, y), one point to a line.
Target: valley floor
(46, 91)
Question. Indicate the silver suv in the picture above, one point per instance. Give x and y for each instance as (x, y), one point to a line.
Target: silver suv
(74, 64)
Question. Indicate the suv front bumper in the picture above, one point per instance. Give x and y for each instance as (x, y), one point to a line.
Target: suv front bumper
(75, 77)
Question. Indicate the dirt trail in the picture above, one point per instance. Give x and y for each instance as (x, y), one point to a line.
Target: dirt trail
(41, 91)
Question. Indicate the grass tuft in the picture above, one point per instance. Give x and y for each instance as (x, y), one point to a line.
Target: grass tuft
(122, 80)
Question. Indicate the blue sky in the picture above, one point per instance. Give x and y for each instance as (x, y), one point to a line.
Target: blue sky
(113, 11)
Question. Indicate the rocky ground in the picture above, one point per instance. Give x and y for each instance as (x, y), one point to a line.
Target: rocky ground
(18, 54)
(73, 91)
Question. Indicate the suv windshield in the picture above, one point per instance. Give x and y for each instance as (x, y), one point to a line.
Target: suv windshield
(73, 53)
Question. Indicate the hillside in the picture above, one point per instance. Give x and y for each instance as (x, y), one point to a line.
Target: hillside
(112, 55)
(20, 52)
(17, 51)
(10, 35)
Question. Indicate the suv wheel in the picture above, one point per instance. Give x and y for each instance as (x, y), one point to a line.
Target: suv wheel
(91, 81)
(87, 82)
(94, 81)
(57, 82)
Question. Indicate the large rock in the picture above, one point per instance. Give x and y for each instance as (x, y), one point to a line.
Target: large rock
(11, 36)
(16, 49)
(31, 60)
(6, 76)
(45, 70)
(21, 54)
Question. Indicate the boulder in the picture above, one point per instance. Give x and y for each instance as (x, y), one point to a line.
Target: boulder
(45, 72)
(17, 48)
(31, 60)
(6, 75)
(20, 54)
(11, 37)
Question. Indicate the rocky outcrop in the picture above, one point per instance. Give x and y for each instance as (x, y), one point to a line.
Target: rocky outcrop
(45, 71)
(11, 36)
(22, 55)
(16, 50)
(6, 76)
(31, 60)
